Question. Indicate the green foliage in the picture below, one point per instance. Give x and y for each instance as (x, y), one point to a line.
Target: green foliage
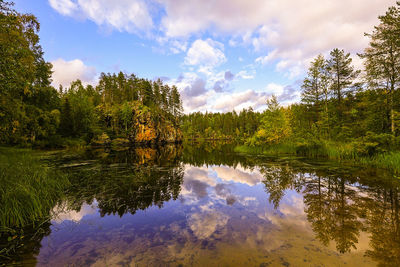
(382, 59)
(28, 190)
(32, 112)
(229, 125)
(27, 100)
(274, 127)
(269, 150)
(387, 160)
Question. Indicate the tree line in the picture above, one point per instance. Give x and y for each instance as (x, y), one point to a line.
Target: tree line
(88, 111)
(227, 125)
(338, 102)
(32, 111)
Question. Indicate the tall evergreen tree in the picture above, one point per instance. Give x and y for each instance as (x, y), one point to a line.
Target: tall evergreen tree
(175, 102)
(382, 58)
(342, 75)
(66, 122)
(315, 87)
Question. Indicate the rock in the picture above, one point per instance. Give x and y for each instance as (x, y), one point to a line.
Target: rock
(120, 142)
(151, 129)
(102, 140)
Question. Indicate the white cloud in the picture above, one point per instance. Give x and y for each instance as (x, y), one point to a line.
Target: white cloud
(123, 15)
(184, 18)
(285, 34)
(245, 75)
(237, 101)
(292, 31)
(178, 46)
(256, 99)
(64, 72)
(64, 7)
(193, 91)
(275, 89)
(205, 54)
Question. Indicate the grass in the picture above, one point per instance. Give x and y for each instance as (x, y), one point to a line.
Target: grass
(323, 149)
(272, 150)
(388, 161)
(330, 150)
(28, 192)
(28, 189)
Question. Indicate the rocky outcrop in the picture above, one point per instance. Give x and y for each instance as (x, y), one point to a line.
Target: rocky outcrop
(145, 127)
(102, 140)
(170, 134)
(152, 128)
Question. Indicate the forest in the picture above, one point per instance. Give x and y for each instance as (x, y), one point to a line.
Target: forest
(122, 107)
(343, 113)
(116, 145)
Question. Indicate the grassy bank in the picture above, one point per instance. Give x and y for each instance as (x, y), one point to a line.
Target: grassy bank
(330, 150)
(28, 192)
(389, 160)
(28, 189)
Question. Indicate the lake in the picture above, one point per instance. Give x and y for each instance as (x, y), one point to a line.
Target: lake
(208, 206)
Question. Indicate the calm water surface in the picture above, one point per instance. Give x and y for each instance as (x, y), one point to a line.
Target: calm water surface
(198, 207)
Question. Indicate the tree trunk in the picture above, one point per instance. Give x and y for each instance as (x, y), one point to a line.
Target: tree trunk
(392, 84)
(392, 114)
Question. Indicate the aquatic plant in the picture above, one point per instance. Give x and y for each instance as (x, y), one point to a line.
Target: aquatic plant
(28, 188)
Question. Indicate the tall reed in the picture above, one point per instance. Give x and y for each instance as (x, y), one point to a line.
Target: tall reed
(28, 188)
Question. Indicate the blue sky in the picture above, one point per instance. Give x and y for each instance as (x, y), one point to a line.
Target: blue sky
(222, 55)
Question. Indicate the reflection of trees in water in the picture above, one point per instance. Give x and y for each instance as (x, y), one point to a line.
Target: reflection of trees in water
(332, 209)
(336, 210)
(340, 206)
(22, 251)
(316, 193)
(217, 154)
(277, 179)
(124, 182)
(383, 223)
(146, 188)
(136, 185)
(340, 202)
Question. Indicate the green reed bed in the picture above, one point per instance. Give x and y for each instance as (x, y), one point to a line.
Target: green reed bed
(28, 188)
(388, 161)
(322, 149)
(329, 150)
(28, 192)
(272, 150)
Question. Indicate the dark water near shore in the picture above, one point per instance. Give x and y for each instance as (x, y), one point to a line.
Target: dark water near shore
(205, 206)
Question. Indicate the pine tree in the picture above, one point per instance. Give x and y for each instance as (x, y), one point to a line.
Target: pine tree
(342, 76)
(66, 123)
(382, 58)
(314, 93)
(176, 102)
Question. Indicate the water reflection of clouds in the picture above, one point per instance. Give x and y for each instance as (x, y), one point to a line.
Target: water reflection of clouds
(224, 212)
(200, 174)
(289, 212)
(202, 182)
(208, 190)
(239, 175)
(204, 224)
(62, 213)
(220, 186)
(195, 184)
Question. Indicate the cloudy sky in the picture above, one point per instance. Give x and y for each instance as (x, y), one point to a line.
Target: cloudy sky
(222, 54)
